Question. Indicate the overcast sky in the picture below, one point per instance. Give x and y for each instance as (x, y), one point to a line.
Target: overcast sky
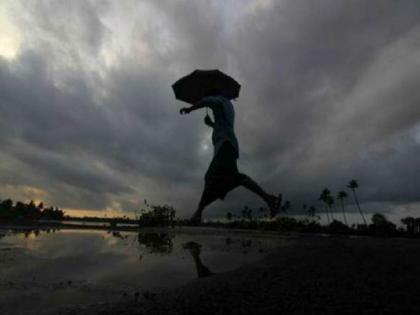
(330, 92)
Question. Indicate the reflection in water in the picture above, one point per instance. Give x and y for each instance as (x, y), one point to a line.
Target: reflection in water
(118, 234)
(155, 243)
(195, 249)
(32, 233)
(28, 233)
(159, 243)
(246, 243)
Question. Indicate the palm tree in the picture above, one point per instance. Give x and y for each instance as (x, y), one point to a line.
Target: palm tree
(341, 196)
(229, 216)
(244, 212)
(261, 214)
(417, 225)
(250, 214)
(325, 194)
(353, 185)
(410, 223)
(287, 205)
(312, 211)
(330, 203)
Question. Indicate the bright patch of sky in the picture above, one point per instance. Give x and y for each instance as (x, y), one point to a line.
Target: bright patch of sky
(10, 36)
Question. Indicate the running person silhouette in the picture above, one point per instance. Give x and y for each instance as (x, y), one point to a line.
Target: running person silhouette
(222, 175)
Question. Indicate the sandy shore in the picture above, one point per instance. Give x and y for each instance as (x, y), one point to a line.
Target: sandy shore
(317, 275)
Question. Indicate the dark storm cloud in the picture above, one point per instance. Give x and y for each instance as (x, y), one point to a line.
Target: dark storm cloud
(199, 31)
(65, 23)
(323, 86)
(65, 135)
(310, 57)
(131, 139)
(328, 90)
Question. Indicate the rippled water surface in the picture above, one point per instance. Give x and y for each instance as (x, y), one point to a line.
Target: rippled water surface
(41, 270)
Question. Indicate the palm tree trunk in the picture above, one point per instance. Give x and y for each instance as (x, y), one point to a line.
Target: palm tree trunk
(344, 212)
(328, 215)
(358, 206)
(332, 211)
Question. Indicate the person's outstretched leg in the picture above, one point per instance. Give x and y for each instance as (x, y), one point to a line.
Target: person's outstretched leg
(272, 201)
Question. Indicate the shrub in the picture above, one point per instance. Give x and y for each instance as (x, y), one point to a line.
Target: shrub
(157, 216)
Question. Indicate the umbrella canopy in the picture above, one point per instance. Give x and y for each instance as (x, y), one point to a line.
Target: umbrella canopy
(198, 83)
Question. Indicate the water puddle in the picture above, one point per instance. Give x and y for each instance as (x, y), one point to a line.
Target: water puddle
(41, 270)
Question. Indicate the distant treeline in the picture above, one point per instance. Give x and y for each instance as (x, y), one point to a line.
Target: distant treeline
(379, 226)
(150, 215)
(28, 211)
(123, 219)
(155, 215)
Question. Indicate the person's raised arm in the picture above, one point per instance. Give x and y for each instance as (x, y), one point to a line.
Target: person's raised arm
(205, 102)
(187, 110)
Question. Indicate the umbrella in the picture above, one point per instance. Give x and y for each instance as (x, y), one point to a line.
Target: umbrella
(193, 87)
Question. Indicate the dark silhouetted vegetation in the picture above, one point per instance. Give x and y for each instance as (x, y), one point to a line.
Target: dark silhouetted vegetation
(341, 196)
(381, 226)
(27, 211)
(327, 199)
(353, 184)
(412, 225)
(156, 216)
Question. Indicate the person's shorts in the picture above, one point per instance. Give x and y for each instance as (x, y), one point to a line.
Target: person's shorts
(222, 174)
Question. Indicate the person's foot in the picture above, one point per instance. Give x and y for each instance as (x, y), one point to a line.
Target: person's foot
(274, 204)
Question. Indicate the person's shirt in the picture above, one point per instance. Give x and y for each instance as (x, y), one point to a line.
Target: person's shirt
(224, 119)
